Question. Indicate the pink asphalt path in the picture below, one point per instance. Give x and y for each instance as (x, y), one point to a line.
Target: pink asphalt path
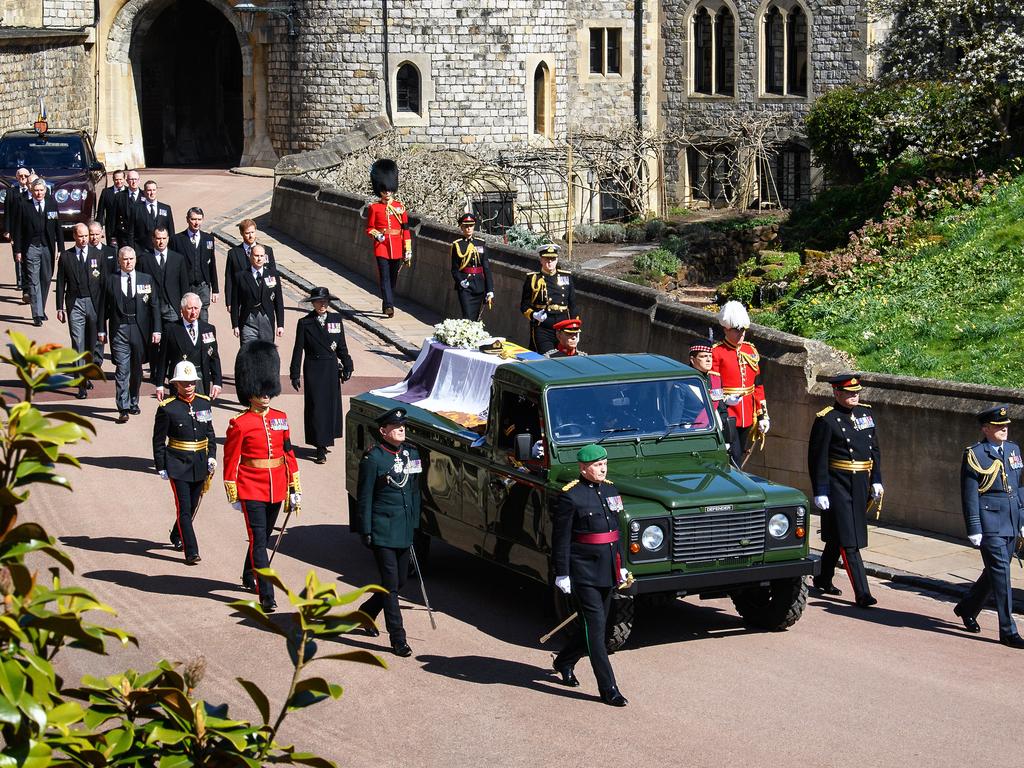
(899, 685)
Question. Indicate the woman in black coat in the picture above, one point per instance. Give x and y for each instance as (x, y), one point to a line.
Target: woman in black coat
(321, 337)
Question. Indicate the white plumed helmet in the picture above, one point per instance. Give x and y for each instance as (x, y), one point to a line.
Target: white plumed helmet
(733, 315)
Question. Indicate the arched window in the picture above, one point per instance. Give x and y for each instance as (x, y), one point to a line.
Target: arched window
(407, 88)
(714, 50)
(541, 100)
(785, 35)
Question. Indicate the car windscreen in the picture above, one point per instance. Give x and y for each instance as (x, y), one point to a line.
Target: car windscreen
(658, 408)
(35, 152)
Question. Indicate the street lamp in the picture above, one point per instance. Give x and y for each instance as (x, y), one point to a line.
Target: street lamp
(247, 12)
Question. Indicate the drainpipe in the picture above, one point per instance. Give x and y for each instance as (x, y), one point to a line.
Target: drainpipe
(638, 63)
(386, 59)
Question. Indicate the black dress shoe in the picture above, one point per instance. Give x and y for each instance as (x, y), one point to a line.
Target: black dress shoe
(81, 394)
(135, 410)
(371, 631)
(401, 649)
(826, 587)
(248, 583)
(613, 698)
(37, 322)
(175, 540)
(321, 456)
(88, 385)
(568, 677)
(866, 601)
(268, 606)
(122, 417)
(389, 312)
(1012, 641)
(970, 623)
(192, 559)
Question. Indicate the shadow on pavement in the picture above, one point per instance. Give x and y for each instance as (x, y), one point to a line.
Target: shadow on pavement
(119, 545)
(879, 614)
(484, 670)
(141, 464)
(165, 584)
(680, 621)
(97, 412)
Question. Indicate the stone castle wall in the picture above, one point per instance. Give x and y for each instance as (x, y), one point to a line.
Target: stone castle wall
(68, 14)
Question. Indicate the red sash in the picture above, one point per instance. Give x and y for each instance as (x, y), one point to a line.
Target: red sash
(609, 537)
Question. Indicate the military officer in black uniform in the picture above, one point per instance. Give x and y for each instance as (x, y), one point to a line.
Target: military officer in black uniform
(588, 559)
(185, 450)
(548, 297)
(845, 467)
(471, 270)
(991, 495)
(320, 336)
(388, 514)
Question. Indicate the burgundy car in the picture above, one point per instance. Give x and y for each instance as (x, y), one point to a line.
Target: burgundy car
(65, 158)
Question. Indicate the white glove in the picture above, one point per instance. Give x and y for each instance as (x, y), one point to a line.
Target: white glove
(562, 582)
(211, 465)
(733, 399)
(537, 450)
(296, 500)
(489, 295)
(541, 316)
(764, 425)
(236, 505)
(379, 237)
(821, 502)
(623, 574)
(162, 473)
(877, 490)
(1022, 530)
(464, 283)
(975, 539)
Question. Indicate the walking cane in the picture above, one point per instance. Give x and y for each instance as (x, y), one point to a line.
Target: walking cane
(423, 588)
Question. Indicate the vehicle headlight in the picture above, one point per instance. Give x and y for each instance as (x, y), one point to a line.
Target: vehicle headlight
(652, 538)
(61, 196)
(77, 194)
(3, 195)
(778, 525)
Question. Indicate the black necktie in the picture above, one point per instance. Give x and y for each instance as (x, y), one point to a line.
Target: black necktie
(160, 260)
(152, 211)
(131, 294)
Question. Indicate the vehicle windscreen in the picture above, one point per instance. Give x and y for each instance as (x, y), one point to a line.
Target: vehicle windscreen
(34, 152)
(660, 408)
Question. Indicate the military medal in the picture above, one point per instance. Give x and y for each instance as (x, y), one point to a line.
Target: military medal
(615, 503)
(334, 346)
(1015, 461)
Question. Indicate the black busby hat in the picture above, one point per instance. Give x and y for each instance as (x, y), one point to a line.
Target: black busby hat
(257, 371)
(384, 176)
(999, 415)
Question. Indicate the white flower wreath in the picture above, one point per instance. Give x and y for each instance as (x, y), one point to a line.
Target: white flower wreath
(464, 334)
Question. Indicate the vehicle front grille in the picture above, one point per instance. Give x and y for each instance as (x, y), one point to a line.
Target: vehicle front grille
(706, 536)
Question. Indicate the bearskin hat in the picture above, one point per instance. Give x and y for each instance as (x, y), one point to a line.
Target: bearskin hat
(257, 371)
(384, 176)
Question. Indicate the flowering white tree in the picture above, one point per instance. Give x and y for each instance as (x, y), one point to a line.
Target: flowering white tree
(973, 47)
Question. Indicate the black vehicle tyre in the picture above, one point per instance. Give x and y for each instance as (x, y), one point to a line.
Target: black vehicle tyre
(620, 617)
(775, 607)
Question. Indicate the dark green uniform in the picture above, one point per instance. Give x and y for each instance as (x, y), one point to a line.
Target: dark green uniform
(388, 508)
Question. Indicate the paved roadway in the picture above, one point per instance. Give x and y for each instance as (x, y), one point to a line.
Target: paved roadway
(897, 685)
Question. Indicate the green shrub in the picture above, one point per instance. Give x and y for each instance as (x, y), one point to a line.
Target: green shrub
(656, 229)
(741, 289)
(610, 233)
(635, 232)
(656, 263)
(584, 233)
(519, 236)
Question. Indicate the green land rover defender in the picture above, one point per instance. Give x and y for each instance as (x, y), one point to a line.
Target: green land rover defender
(693, 524)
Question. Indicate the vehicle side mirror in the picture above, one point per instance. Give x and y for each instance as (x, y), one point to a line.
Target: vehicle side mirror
(524, 443)
(97, 167)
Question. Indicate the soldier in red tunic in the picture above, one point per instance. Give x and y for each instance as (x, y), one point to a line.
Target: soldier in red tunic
(736, 369)
(388, 227)
(260, 471)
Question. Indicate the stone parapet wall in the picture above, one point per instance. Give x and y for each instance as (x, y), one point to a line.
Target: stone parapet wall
(923, 425)
(60, 74)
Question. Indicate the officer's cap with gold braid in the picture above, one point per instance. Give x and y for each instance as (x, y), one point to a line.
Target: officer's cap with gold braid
(257, 371)
(845, 382)
(592, 452)
(998, 415)
(467, 218)
(571, 326)
(384, 176)
(548, 250)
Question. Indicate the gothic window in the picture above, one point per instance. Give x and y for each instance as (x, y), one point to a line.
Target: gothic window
(785, 36)
(713, 174)
(606, 51)
(407, 88)
(542, 108)
(713, 30)
(785, 178)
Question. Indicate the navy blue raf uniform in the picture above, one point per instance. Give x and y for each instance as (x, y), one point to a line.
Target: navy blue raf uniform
(471, 270)
(548, 298)
(183, 444)
(845, 467)
(587, 548)
(388, 511)
(991, 496)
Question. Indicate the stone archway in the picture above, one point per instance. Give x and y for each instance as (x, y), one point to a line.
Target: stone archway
(122, 64)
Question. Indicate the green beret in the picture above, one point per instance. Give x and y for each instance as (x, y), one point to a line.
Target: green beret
(592, 452)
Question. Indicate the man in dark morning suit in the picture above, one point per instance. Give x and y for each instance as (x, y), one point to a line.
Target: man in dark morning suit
(238, 258)
(107, 254)
(37, 241)
(17, 193)
(131, 315)
(257, 311)
(320, 336)
(991, 495)
(79, 297)
(106, 208)
(189, 338)
(587, 555)
(150, 213)
(124, 213)
(167, 269)
(200, 259)
(845, 464)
